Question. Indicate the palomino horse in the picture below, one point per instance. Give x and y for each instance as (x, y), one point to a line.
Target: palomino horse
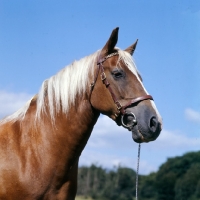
(41, 143)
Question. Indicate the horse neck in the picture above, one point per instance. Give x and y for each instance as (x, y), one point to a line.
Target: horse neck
(69, 132)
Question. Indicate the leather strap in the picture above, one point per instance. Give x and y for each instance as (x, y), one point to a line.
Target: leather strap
(120, 108)
(136, 100)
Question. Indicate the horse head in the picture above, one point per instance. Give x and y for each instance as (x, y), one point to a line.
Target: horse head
(117, 91)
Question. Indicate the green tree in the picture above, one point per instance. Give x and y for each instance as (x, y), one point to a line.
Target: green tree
(171, 171)
(91, 180)
(197, 192)
(120, 185)
(186, 185)
(147, 188)
(176, 179)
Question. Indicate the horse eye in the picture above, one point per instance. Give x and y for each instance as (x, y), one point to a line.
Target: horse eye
(118, 74)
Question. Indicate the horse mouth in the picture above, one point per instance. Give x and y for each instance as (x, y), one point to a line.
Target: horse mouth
(138, 136)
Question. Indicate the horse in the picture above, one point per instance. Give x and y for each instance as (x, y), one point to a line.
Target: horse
(40, 144)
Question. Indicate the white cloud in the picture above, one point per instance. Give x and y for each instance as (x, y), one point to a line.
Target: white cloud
(192, 115)
(107, 133)
(111, 145)
(11, 102)
(107, 160)
(175, 140)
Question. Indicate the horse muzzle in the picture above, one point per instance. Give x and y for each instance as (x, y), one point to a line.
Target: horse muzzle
(145, 125)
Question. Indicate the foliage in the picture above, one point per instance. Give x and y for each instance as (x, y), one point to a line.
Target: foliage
(177, 179)
(174, 175)
(147, 187)
(187, 185)
(99, 183)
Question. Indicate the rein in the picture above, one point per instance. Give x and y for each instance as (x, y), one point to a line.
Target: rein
(137, 173)
(120, 108)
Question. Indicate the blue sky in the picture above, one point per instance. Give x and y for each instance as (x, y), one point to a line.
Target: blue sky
(38, 38)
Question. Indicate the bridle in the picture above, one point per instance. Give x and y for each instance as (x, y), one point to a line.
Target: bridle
(121, 109)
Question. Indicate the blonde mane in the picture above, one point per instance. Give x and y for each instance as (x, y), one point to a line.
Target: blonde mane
(66, 85)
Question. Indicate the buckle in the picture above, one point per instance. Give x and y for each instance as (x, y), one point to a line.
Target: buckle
(103, 76)
(119, 106)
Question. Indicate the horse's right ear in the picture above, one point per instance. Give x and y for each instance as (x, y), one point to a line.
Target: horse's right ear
(110, 44)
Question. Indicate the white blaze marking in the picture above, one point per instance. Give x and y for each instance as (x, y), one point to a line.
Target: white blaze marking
(131, 65)
(151, 101)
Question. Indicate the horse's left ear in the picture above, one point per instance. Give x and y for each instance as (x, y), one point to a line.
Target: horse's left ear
(132, 48)
(110, 44)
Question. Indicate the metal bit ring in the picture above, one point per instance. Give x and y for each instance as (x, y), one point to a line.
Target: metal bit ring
(134, 120)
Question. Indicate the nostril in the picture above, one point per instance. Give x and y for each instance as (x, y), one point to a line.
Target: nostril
(153, 124)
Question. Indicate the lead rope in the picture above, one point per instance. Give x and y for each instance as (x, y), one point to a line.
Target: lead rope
(138, 162)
